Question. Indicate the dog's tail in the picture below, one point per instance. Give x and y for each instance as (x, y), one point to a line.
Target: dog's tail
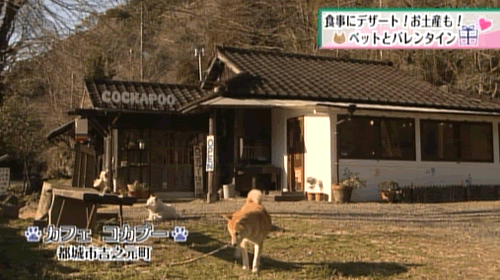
(254, 196)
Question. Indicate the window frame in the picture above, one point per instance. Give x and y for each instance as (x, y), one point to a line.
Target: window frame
(265, 141)
(459, 157)
(378, 138)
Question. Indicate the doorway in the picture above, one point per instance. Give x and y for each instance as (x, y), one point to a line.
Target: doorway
(295, 154)
(172, 160)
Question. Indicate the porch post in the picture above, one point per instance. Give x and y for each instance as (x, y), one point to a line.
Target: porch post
(113, 145)
(114, 179)
(236, 140)
(108, 158)
(211, 176)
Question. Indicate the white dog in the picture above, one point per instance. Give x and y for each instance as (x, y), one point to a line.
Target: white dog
(159, 210)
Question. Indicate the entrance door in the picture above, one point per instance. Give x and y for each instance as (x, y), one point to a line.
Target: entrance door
(172, 161)
(295, 152)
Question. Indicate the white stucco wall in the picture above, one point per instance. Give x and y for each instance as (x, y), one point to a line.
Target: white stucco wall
(418, 172)
(279, 121)
(319, 157)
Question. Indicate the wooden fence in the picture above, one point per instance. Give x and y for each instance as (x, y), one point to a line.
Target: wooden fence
(449, 193)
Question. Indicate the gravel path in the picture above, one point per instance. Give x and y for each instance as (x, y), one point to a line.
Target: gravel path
(468, 220)
(408, 213)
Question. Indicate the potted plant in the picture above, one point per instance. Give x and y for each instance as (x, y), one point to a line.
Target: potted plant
(139, 190)
(343, 191)
(134, 189)
(122, 192)
(389, 190)
(312, 182)
(320, 195)
(145, 190)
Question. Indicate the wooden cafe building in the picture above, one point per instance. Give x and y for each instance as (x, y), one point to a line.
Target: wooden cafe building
(274, 119)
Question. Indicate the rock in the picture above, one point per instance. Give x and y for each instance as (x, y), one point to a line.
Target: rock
(9, 210)
(45, 202)
(9, 200)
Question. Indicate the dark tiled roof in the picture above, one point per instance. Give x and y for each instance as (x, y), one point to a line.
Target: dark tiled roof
(297, 76)
(184, 94)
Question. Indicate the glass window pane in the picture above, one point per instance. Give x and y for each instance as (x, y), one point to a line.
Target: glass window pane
(134, 174)
(256, 138)
(397, 138)
(134, 158)
(145, 175)
(438, 141)
(358, 138)
(133, 141)
(145, 158)
(476, 142)
(122, 139)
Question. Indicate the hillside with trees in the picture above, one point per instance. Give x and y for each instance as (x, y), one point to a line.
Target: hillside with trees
(108, 45)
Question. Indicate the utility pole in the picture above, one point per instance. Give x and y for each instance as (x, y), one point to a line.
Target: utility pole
(381, 54)
(199, 51)
(142, 49)
(131, 66)
(72, 86)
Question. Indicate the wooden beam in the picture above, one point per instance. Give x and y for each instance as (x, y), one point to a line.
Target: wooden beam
(76, 167)
(97, 126)
(86, 183)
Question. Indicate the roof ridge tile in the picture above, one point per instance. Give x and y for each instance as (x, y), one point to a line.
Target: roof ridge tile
(303, 55)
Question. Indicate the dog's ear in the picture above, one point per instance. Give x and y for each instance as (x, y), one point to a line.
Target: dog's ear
(227, 217)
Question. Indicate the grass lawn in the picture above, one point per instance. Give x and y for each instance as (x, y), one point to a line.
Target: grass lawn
(298, 248)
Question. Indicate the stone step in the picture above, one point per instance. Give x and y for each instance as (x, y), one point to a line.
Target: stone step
(289, 198)
(292, 194)
(169, 199)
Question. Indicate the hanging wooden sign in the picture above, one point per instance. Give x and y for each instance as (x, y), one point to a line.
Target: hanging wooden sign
(198, 170)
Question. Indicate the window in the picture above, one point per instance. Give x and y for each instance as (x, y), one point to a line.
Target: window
(358, 138)
(456, 141)
(133, 155)
(397, 138)
(438, 141)
(255, 143)
(377, 138)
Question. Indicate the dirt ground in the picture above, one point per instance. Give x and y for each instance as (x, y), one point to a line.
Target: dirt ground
(310, 241)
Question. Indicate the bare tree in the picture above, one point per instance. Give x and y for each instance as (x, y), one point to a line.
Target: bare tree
(21, 133)
(28, 27)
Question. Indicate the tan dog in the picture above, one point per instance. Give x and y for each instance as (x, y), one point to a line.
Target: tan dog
(249, 225)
